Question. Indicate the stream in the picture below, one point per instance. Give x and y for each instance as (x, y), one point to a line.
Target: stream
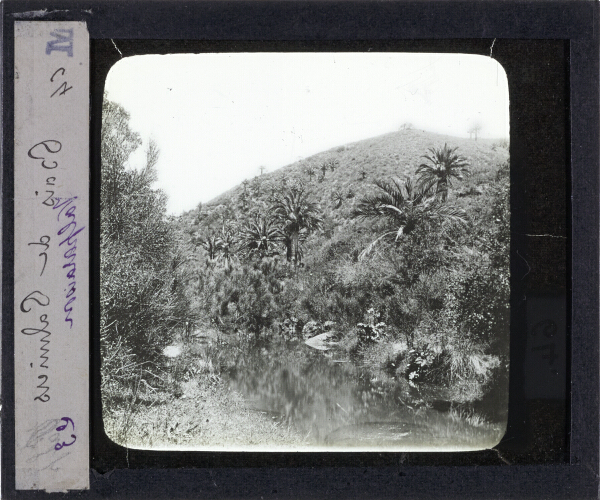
(334, 402)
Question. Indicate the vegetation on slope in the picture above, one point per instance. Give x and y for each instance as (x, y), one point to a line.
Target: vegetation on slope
(406, 263)
(395, 249)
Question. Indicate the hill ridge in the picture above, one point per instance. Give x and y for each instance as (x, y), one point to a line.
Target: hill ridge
(393, 154)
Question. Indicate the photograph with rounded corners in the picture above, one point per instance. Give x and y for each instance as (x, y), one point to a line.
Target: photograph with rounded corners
(305, 252)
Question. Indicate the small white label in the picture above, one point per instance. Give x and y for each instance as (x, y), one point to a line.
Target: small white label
(51, 169)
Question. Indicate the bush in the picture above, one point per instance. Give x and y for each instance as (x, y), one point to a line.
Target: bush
(142, 290)
(425, 365)
(479, 290)
(246, 297)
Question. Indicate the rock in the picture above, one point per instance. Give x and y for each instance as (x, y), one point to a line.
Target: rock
(320, 342)
(311, 329)
(172, 351)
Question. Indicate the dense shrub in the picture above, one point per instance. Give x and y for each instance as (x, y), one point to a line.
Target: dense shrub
(480, 288)
(141, 290)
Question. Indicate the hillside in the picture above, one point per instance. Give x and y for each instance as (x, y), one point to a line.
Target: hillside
(358, 164)
(320, 304)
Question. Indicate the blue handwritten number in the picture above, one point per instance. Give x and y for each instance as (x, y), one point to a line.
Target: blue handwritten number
(63, 42)
(61, 428)
(67, 421)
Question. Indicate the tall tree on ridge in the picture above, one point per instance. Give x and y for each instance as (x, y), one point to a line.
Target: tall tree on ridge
(298, 216)
(444, 165)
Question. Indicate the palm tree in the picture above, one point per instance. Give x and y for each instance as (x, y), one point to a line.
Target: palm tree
(337, 197)
(311, 171)
(298, 216)
(444, 165)
(293, 248)
(475, 129)
(260, 236)
(226, 244)
(212, 247)
(404, 207)
(324, 166)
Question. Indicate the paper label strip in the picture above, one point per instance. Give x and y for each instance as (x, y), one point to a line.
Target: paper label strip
(51, 169)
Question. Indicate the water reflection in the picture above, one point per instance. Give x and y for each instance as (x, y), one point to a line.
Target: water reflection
(330, 403)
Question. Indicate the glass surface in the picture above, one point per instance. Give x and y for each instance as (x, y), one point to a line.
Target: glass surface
(305, 252)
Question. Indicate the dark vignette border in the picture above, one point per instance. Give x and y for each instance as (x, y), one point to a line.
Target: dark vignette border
(537, 429)
(381, 24)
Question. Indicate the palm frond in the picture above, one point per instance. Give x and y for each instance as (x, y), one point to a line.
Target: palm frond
(405, 207)
(260, 236)
(448, 213)
(294, 209)
(372, 245)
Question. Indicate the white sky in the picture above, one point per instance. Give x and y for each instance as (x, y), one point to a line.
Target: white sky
(217, 117)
